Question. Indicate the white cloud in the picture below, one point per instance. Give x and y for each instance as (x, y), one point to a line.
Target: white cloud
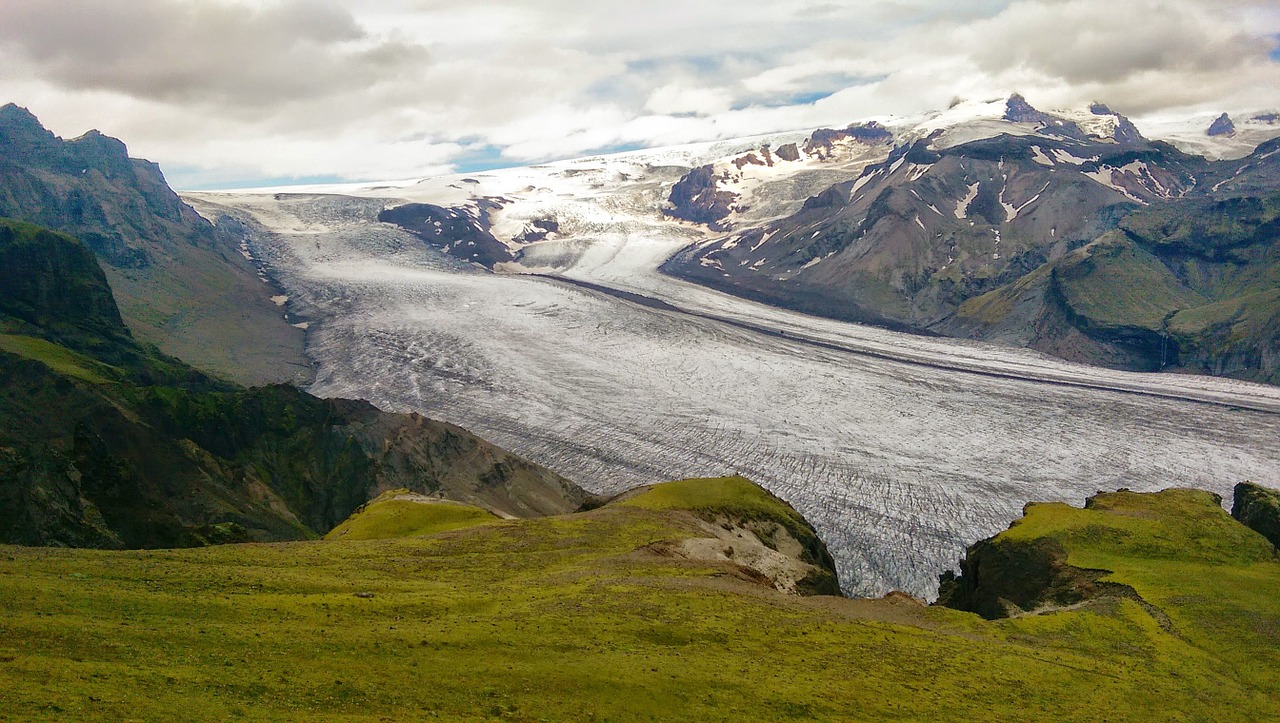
(227, 89)
(678, 99)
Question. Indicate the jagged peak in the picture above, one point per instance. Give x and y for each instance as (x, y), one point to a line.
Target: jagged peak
(13, 110)
(1221, 126)
(1018, 110)
(97, 139)
(17, 119)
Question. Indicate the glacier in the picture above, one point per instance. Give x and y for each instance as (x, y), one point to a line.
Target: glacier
(584, 357)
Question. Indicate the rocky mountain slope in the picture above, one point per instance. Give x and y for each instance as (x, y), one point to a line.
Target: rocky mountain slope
(180, 283)
(1071, 235)
(989, 220)
(106, 442)
(1258, 507)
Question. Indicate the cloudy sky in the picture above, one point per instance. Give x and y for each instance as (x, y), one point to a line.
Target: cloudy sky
(247, 92)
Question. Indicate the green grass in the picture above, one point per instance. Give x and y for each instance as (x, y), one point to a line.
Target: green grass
(58, 358)
(731, 494)
(393, 514)
(1241, 318)
(996, 305)
(568, 618)
(1114, 283)
(1214, 578)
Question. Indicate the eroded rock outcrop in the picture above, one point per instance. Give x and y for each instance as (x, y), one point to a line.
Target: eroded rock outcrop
(1259, 509)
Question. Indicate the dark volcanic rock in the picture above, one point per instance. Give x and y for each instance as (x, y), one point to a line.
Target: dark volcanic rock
(456, 231)
(750, 159)
(821, 142)
(1126, 131)
(788, 152)
(695, 198)
(1221, 126)
(1001, 577)
(538, 229)
(1259, 509)
(1018, 110)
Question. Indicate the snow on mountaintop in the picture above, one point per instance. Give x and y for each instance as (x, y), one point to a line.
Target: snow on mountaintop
(1190, 134)
(752, 180)
(963, 122)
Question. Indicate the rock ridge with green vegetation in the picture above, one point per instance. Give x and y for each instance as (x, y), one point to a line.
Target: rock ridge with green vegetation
(1258, 508)
(577, 617)
(107, 442)
(181, 283)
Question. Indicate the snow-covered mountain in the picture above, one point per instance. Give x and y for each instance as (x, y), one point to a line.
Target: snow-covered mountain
(1220, 137)
(908, 223)
(957, 222)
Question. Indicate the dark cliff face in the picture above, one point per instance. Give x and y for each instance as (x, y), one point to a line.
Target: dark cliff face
(1018, 110)
(1035, 566)
(106, 442)
(1001, 578)
(462, 233)
(695, 198)
(1258, 508)
(822, 141)
(91, 188)
(181, 283)
(52, 280)
(1221, 126)
(1126, 131)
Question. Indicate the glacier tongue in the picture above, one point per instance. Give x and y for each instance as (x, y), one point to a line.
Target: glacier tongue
(900, 449)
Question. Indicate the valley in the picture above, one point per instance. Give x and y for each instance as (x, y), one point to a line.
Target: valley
(404, 361)
(900, 449)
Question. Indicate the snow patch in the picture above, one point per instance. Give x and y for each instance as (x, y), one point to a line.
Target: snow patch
(1106, 176)
(1066, 157)
(962, 208)
(1010, 211)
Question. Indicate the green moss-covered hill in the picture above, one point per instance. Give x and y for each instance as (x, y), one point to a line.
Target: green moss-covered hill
(106, 442)
(590, 616)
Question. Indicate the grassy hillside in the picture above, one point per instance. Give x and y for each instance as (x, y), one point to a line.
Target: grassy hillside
(400, 513)
(1191, 284)
(577, 617)
(1112, 284)
(105, 441)
(58, 358)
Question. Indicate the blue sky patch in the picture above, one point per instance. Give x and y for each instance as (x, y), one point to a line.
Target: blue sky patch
(481, 157)
(805, 98)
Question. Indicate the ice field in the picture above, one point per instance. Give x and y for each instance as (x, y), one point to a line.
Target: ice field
(900, 449)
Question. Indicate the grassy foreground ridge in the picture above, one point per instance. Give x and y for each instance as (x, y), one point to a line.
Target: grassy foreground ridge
(588, 616)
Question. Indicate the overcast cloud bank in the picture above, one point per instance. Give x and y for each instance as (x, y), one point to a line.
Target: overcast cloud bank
(227, 92)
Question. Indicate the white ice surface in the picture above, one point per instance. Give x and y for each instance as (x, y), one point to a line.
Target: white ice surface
(900, 449)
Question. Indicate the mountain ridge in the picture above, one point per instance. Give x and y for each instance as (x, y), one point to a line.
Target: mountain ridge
(916, 237)
(105, 441)
(182, 283)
